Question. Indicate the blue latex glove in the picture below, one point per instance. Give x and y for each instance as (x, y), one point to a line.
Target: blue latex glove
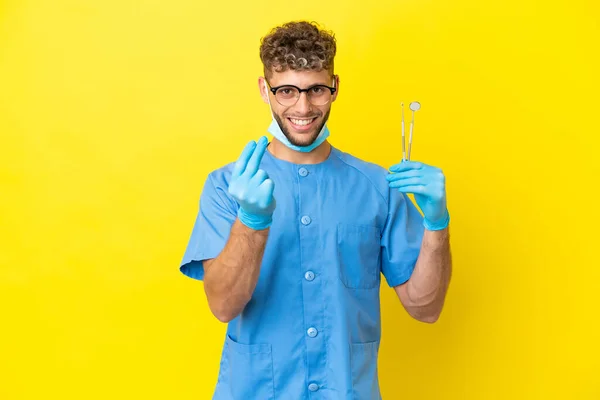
(428, 184)
(252, 188)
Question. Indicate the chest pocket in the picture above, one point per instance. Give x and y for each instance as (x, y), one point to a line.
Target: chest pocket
(358, 249)
(250, 370)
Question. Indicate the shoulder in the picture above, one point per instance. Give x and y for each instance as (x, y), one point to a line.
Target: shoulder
(372, 173)
(216, 186)
(220, 177)
(368, 168)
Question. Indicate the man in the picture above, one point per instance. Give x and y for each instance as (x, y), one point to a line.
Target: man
(291, 241)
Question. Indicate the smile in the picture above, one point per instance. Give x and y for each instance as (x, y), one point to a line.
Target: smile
(301, 124)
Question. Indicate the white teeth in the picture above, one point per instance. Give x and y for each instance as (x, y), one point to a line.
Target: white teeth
(302, 122)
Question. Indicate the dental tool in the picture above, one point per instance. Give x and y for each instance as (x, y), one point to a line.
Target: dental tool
(403, 140)
(414, 106)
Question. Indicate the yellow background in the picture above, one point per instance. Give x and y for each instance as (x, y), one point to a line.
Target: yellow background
(113, 112)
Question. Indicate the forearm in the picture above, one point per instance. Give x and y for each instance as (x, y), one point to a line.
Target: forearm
(424, 294)
(230, 278)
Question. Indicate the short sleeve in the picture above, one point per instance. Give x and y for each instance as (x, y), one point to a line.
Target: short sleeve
(216, 214)
(401, 238)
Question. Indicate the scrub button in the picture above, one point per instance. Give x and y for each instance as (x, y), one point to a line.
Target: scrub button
(303, 171)
(312, 332)
(309, 276)
(305, 220)
(313, 387)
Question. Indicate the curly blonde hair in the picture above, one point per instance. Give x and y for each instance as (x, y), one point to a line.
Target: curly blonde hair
(298, 46)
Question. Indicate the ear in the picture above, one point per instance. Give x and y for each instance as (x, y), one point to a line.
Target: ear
(263, 89)
(337, 87)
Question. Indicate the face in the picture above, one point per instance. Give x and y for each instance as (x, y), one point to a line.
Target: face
(301, 122)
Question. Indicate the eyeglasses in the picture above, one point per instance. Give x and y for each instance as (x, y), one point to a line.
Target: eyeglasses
(288, 95)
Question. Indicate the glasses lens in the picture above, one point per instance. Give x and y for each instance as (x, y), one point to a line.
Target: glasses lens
(287, 95)
(319, 95)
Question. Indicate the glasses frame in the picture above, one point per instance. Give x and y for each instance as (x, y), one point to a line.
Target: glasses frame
(274, 91)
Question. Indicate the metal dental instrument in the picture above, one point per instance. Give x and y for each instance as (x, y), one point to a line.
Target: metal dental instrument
(403, 141)
(414, 106)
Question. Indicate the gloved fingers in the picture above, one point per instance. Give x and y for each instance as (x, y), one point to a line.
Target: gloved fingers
(406, 166)
(407, 181)
(258, 178)
(403, 175)
(257, 156)
(417, 189)
(265, 191)
(242, 161)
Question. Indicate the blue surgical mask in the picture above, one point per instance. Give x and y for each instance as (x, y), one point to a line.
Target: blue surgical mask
(275, 130)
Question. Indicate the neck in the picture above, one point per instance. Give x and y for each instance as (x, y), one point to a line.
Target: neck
(316, 156)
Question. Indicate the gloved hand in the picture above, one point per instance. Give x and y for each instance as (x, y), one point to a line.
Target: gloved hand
(428, 184)
(252, 188)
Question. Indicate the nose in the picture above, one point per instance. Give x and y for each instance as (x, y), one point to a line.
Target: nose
(303, 105)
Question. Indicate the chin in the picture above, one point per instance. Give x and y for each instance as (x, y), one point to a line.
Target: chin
(302, 139)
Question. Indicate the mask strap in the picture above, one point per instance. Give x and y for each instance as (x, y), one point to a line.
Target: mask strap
(268, 97)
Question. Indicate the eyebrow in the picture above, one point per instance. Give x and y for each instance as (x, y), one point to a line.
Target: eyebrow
(311, 85)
